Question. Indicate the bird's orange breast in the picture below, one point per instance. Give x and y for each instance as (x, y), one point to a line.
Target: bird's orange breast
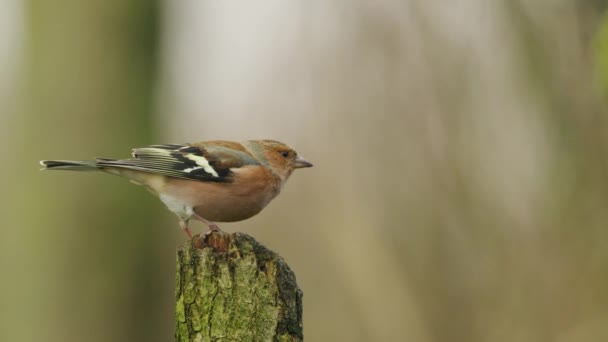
(252, 189)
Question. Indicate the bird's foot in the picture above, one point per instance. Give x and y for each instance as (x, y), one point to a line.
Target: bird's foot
(212, 226)
(215, 238)
(188, 232)
(185, 229)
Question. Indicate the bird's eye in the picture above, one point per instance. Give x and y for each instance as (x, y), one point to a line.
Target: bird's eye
(285, 154)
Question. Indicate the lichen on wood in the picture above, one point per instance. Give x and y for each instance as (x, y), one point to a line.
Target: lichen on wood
(231, 288)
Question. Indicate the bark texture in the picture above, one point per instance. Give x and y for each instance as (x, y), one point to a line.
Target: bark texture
(231, 288)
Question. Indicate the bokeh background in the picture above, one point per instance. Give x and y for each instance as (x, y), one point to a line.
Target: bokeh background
(460, 187)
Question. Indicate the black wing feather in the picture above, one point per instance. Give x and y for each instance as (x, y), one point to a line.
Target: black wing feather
(173, 160)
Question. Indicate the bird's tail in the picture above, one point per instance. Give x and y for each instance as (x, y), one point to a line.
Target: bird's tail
(75, 165)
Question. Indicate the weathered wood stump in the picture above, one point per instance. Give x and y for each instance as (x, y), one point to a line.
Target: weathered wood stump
(231, 288)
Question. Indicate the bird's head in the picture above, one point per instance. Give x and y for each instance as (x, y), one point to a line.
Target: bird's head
(280, 157)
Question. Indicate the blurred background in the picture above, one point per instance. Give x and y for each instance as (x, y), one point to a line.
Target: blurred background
(460, 187)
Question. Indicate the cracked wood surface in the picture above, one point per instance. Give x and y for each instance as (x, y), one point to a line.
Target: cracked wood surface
(231, 288)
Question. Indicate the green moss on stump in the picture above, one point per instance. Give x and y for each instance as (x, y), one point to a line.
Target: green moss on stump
(231, 288)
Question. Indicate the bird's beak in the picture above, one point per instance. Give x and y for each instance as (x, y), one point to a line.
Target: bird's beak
(301, 162)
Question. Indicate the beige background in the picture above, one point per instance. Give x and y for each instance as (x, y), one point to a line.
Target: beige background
(459, 191)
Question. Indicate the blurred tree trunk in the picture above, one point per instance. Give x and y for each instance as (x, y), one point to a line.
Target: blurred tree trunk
(231, 288)
(88, 90)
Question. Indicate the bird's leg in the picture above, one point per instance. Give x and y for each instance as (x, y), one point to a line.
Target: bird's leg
(212, 226)
(184, 226)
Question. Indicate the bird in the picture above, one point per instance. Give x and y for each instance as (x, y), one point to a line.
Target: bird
(211, 181)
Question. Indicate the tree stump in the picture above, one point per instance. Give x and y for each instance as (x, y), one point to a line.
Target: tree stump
(231, 288)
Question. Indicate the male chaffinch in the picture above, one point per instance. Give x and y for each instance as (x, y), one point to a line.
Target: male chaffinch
(221, 181)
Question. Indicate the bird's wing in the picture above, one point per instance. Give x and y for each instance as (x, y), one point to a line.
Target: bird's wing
(208, 161)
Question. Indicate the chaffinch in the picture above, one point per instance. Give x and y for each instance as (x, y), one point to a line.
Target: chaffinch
(212, 181)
